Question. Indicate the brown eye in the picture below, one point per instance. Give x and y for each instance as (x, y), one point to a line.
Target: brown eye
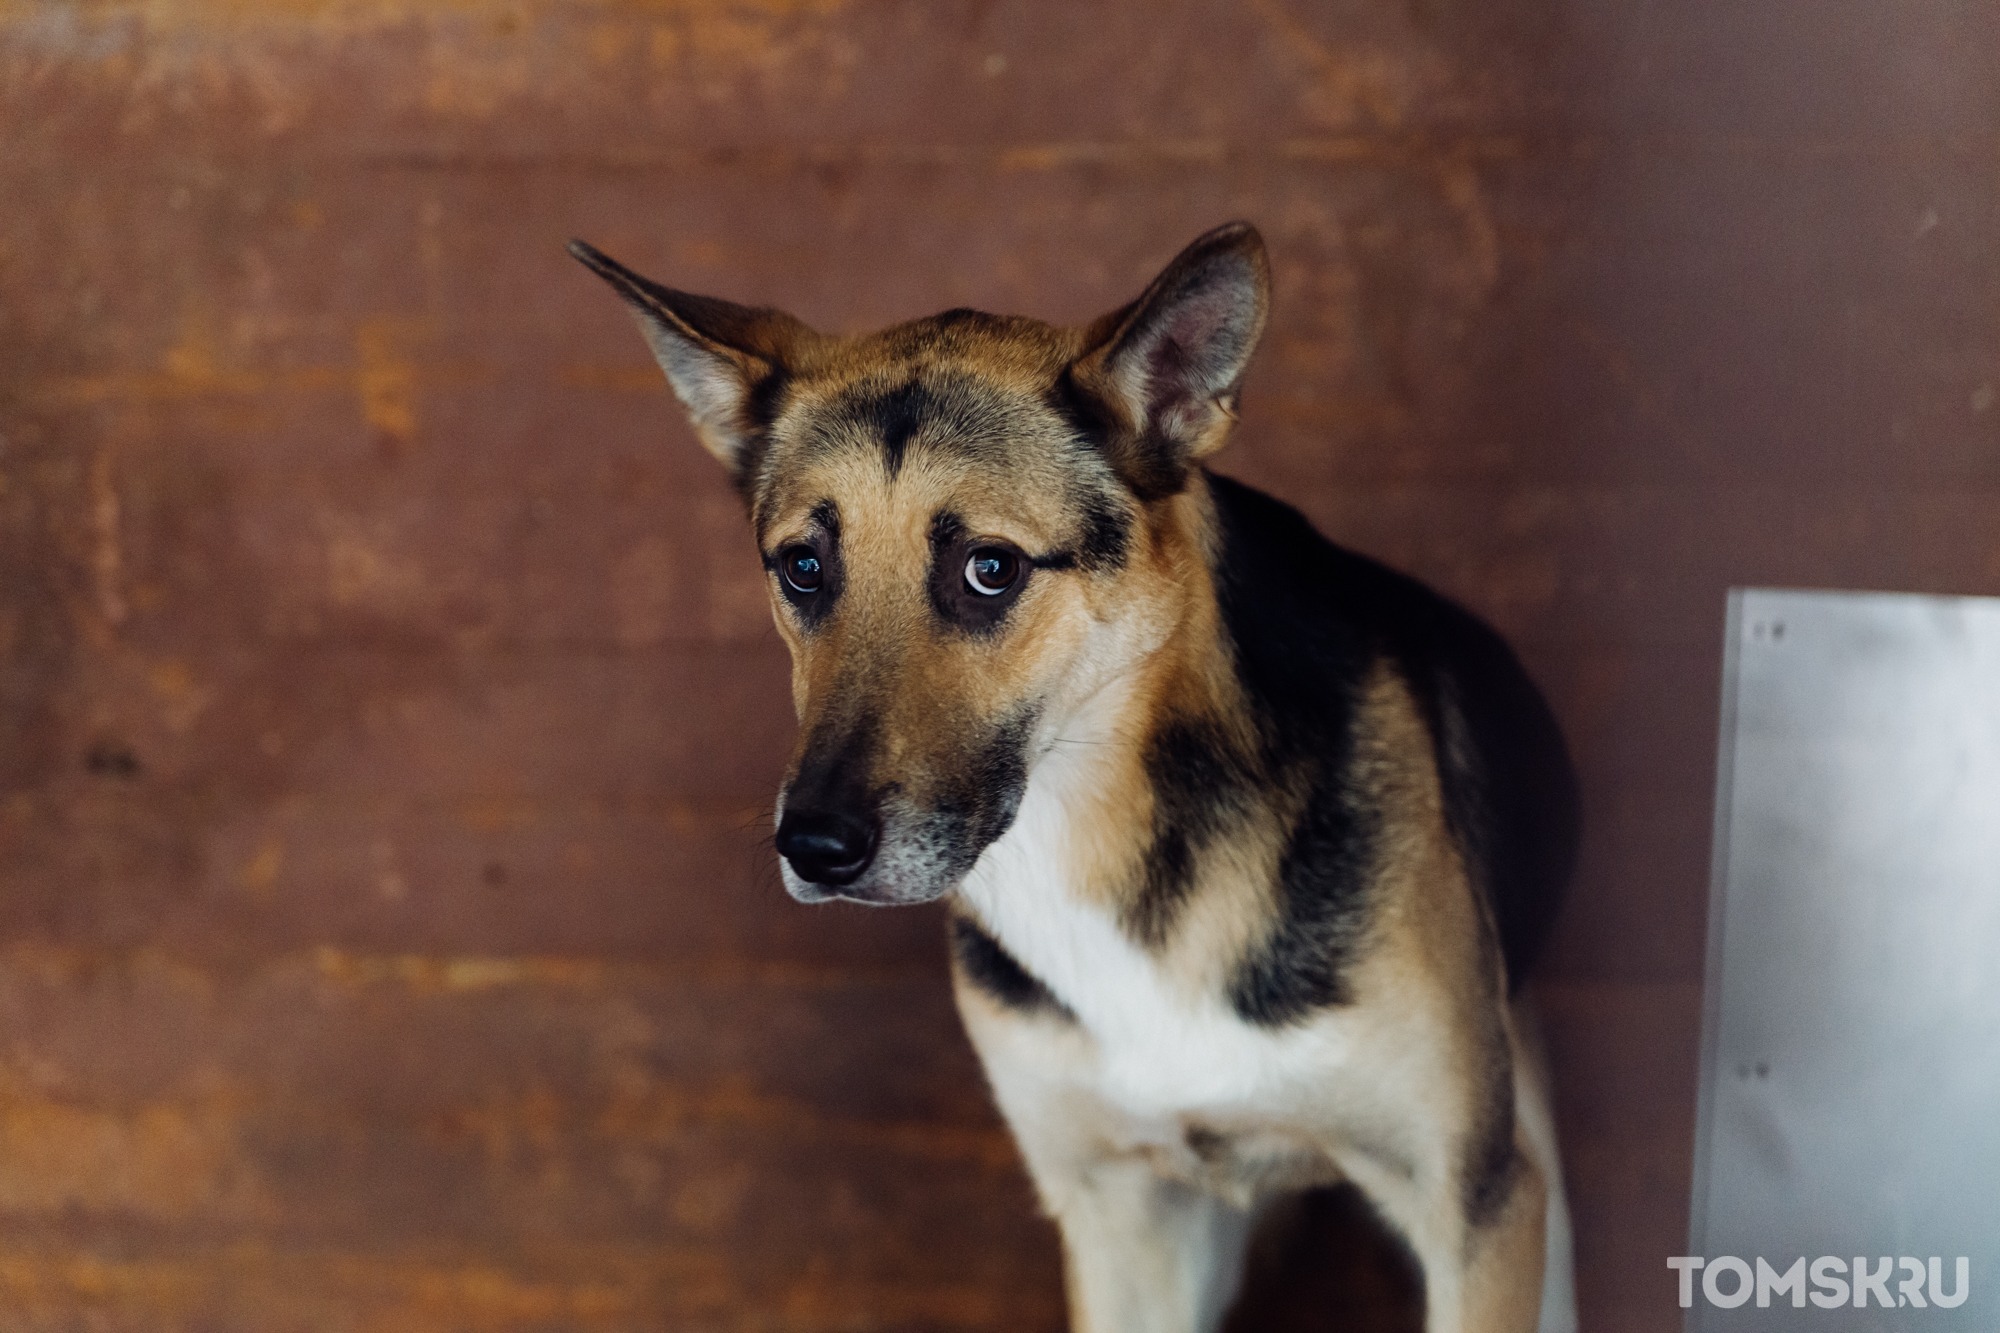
(990, 571)
(802, 569)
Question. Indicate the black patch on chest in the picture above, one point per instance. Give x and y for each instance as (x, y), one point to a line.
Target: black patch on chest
(993, 970)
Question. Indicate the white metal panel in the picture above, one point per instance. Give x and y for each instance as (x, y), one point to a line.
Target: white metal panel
(1850, 1094)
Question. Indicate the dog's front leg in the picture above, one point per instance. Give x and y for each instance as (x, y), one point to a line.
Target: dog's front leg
(1146, 1254)
(1501, 1266)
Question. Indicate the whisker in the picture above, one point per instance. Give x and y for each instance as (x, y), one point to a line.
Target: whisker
(759, 819)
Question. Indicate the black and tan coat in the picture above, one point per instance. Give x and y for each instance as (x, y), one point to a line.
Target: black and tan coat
(1247, 839)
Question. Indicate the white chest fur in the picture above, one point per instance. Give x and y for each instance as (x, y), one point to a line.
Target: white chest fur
(1159, 1049)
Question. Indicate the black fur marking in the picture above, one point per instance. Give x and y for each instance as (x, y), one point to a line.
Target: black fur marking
(1302, 655)
(813, 608)
(1307, 622)
(895, 416)
(935, 332)
(947, 531)
(1139, 464)
(965, 317)
(983, 801)
(1201, 785)
(1087, 419)
(992, 969)
(762, 407)
(1510, 791)
(1322, 878)
(1492, 1166)
(1107, 533)
(1209, 1145)
(834, 773)
(932, 408)
(956, 606)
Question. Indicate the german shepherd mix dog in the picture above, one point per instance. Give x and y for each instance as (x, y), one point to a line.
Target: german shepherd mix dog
(1247, 840)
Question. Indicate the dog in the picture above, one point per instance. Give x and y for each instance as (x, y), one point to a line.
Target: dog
(1247, 840)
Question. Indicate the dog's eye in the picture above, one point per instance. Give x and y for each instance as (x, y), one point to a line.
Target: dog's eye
(802, 569)
(990, 571)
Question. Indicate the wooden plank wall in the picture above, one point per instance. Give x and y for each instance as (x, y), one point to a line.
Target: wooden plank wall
(388, 705)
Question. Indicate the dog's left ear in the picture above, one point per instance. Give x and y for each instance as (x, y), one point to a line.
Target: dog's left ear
(1166, 368)
(722, 359)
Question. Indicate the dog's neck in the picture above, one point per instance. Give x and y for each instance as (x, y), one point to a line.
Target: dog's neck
(1129, 764)
(1088, 890)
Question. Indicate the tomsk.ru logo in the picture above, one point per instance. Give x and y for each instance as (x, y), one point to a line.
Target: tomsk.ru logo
(1728, 1282)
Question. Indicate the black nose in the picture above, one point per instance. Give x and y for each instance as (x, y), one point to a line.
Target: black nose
(826, 848)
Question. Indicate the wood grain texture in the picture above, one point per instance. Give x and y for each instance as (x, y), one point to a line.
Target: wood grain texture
(388, 705)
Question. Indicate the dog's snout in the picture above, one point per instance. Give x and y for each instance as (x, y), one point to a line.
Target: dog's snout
(826, 847)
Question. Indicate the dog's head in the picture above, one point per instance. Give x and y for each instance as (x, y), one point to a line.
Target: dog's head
(970, 526)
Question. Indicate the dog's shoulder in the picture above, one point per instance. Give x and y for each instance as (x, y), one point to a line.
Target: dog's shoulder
(1311, 624)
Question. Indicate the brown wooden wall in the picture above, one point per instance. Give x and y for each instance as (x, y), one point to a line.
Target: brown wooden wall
(388, 703)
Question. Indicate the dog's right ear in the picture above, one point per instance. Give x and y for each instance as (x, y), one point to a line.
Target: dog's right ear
(1164, 370)
(726, 362)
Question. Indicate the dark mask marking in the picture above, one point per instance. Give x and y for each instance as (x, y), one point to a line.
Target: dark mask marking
(992, 969)
(834, 772)
(981, 803)
(814, 607)
(959, 609)
(947, 530)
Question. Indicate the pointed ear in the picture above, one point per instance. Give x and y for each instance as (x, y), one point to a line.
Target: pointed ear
(1165, 369)
(727, 363)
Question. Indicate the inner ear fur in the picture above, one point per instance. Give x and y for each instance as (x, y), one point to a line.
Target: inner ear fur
(724, 361)
(1165, 369)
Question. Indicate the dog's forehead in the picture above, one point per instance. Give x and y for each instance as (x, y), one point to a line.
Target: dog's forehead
(986, 435)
